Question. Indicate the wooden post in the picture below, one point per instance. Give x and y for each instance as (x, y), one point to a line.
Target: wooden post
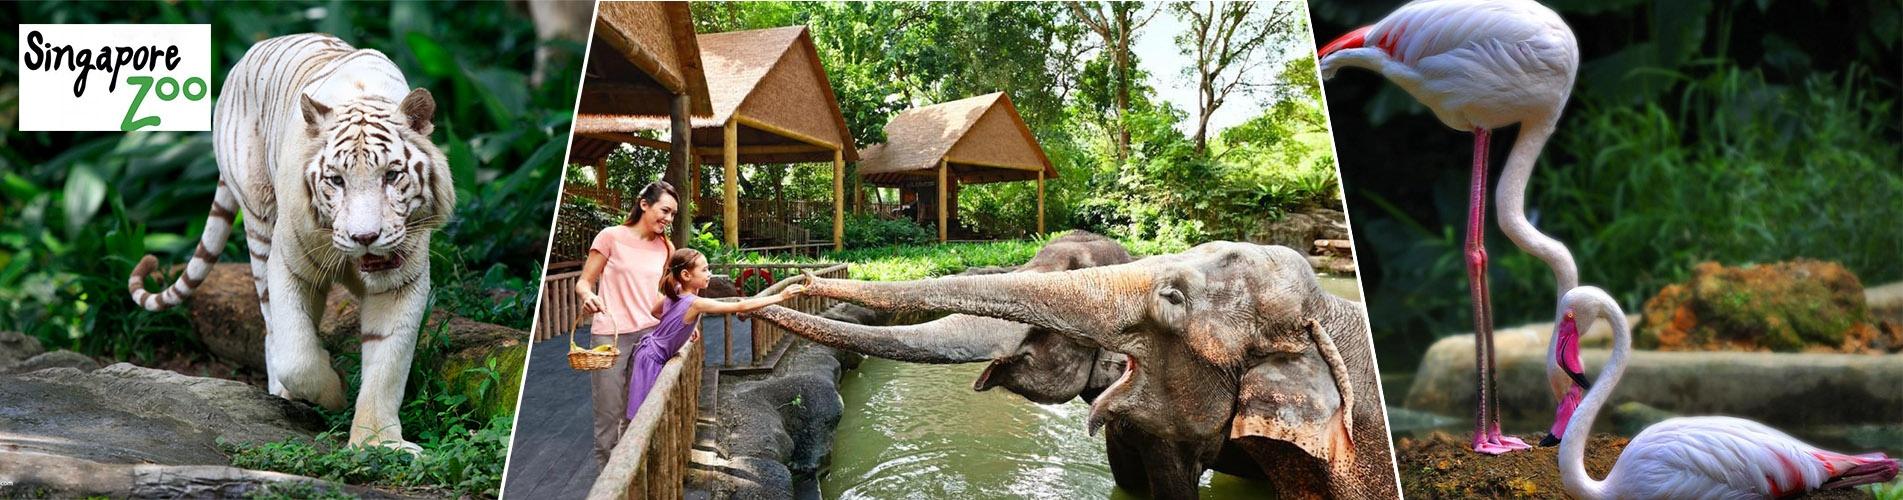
(943, 216)
(693, 184)
(680, 166)
(730, 189)
(839, 200)
(1040, 201)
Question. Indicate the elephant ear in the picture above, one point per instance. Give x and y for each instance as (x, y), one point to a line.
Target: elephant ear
(1305, 400)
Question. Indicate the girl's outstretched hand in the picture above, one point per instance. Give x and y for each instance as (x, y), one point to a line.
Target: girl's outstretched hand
(792, 291)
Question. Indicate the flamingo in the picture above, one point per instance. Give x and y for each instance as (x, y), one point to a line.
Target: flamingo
(1481, 65)
(1695, 457)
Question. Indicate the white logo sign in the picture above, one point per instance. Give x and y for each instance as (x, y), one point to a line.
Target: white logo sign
(106, 77)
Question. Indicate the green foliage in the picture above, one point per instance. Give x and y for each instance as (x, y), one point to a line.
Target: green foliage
(1729, 130)
(297, 490)
(1738, 171)
(1886, 491)
(908, 262)
(461, 451)
(67, 245)
(867, 230)
(1062, 82)
(467, 464)
(82, 208)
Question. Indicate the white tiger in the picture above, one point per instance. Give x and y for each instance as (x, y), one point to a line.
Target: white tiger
(327, 150)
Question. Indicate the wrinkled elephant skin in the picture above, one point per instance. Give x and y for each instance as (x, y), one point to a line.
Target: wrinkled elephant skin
(1226, 342)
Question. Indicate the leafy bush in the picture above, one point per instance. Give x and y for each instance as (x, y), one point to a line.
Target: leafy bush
(469, 463)
(908, 262)
(82, 208)
(462, 452)
(1738, 171)
(868, 230)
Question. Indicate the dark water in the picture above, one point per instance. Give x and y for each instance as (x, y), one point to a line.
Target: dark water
(919, 431)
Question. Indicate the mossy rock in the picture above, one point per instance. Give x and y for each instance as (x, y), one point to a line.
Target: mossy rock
(1785, 307)
(499, 399)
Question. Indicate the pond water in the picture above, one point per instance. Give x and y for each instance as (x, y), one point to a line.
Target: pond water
(919, 431)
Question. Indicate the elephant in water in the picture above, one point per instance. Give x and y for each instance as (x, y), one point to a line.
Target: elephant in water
(1228, 356)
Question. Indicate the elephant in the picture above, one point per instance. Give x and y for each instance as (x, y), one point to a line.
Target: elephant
(1253, 383)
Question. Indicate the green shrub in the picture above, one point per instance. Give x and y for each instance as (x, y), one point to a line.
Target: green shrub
(1738, 170)
(868, 230)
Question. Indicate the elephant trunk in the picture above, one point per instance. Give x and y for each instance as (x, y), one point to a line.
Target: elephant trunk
(1085, 303)
(952, 339)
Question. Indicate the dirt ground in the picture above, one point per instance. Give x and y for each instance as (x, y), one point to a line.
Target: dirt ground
(1444, 466)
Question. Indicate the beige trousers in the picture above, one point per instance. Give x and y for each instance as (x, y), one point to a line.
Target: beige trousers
(609, 390)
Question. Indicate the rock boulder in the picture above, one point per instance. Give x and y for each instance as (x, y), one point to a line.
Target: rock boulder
(224, 311)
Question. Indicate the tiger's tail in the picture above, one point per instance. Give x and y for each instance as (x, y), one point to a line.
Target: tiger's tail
(217, 229)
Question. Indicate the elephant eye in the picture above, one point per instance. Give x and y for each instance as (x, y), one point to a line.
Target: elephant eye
(1173, 295)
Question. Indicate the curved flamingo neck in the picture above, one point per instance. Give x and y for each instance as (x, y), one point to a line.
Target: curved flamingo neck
(1511, 200)
(1572, 449)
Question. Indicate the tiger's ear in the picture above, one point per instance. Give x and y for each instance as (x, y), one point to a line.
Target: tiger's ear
(420, 108)
(314, 113)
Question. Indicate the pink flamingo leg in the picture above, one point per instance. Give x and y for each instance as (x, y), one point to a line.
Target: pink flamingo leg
(1487, 436)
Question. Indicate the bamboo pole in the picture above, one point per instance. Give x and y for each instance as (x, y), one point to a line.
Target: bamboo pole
(839, 200)
(786, 132)
(730, 190)
(762, 149)
(1040, 202)
(943, 215)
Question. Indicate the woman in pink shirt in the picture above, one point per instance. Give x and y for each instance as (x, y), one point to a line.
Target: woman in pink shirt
(625, 264)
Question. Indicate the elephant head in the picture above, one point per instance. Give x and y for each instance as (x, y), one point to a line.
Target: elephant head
(1224, 341)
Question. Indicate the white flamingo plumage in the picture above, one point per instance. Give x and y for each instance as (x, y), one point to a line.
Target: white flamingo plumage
(1481, 65)
(1694, 457)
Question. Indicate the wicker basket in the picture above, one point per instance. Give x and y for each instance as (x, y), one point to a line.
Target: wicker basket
(588, 359)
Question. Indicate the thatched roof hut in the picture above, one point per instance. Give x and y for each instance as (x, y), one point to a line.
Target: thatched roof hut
(968, 141)
(770, 102)
(644, 58)
(644, 53)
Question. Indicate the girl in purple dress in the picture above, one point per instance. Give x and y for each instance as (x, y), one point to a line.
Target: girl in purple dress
(685, 275)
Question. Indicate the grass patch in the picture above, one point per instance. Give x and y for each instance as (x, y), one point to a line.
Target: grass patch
(462, 453)
(1886, 491)
(468, 464)
(910, 262)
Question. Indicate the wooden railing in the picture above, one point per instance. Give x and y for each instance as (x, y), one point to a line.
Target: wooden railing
(559, 305)
(768, 340)
(650, 461)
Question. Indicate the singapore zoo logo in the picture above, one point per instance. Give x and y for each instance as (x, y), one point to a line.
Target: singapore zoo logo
(106, 77)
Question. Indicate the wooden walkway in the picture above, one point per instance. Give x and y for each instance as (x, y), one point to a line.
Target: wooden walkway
(552, 455)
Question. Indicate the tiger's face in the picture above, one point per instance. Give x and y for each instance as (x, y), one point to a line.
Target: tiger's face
(375, 180)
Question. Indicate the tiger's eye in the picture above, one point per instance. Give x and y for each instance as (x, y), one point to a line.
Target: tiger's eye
(335, 180)
(392, 176)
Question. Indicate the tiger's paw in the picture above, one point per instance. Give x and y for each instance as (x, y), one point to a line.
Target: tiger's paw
(319, 385)
(366, 439)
